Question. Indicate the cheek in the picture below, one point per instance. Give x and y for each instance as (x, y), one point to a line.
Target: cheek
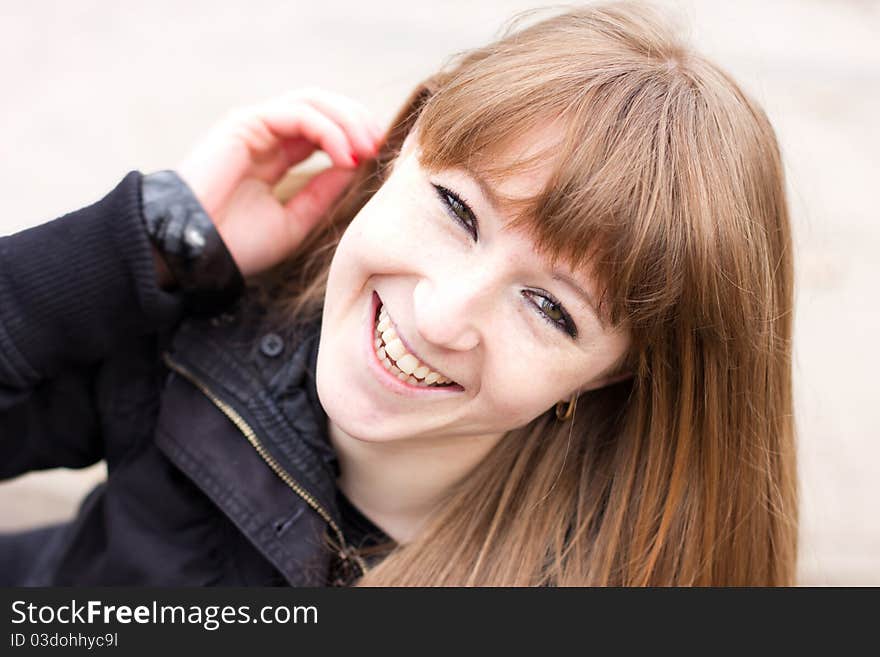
(522, 381)
(367, 248)
(518, 391)
(385, 228)
(512, 409)
(397, 233)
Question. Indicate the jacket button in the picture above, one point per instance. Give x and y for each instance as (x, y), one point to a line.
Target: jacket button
(223, 318)
(271, 345)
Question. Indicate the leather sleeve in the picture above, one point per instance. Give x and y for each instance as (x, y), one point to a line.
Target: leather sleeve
(72, 292)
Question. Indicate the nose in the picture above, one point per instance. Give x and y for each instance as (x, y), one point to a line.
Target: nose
(449, 309)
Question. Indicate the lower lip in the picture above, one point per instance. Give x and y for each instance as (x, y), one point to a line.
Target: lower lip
(386, 378)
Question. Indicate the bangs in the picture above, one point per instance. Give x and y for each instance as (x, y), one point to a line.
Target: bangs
(607, 208)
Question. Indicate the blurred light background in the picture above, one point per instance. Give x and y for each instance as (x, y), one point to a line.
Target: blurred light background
(92, 89)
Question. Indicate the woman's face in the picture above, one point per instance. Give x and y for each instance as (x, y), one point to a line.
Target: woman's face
(469, 309)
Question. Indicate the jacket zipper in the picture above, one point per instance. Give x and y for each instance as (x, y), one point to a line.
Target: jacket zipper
(270, 460)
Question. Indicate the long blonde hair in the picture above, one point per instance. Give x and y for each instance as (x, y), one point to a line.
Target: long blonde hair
(668, 180)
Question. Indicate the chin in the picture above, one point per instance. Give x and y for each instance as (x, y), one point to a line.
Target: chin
(347, 408)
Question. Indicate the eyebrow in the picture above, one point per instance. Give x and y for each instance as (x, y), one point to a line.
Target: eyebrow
(486, 189)
(564, 278)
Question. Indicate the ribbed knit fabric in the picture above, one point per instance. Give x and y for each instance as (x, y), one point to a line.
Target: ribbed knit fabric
(74, 288)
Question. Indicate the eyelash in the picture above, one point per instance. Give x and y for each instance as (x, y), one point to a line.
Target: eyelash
(451, 203)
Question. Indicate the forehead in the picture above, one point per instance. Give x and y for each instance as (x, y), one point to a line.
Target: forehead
(522, 167)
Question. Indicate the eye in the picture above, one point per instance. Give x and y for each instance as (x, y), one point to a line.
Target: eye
(457, 209)
(549, 309)
(552, 312)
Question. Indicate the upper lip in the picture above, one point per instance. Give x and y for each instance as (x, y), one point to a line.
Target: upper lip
(409, 346)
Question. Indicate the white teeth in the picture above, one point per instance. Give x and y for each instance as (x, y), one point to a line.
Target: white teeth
(389, 335)
(408, 363)
(395, 348)
(396, 359)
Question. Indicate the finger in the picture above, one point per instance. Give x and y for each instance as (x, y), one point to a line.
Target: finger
(378, 132)
(314, 200)
(294, 120)
(297, 150)
(351, 115)
(351, 120)
(377, 129)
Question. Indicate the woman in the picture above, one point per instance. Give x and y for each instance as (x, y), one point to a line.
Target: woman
(542, 338)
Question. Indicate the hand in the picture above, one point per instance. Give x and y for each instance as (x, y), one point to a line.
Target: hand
(233, 171)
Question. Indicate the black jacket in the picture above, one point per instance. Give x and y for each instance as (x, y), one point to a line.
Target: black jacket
(219, 467)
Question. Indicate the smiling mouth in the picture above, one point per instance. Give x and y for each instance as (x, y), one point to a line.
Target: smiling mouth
(398, 360)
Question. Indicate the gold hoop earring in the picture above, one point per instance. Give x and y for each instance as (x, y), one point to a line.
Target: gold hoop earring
(563, 411)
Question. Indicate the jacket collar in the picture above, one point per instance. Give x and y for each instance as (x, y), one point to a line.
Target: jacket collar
(267, 376)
